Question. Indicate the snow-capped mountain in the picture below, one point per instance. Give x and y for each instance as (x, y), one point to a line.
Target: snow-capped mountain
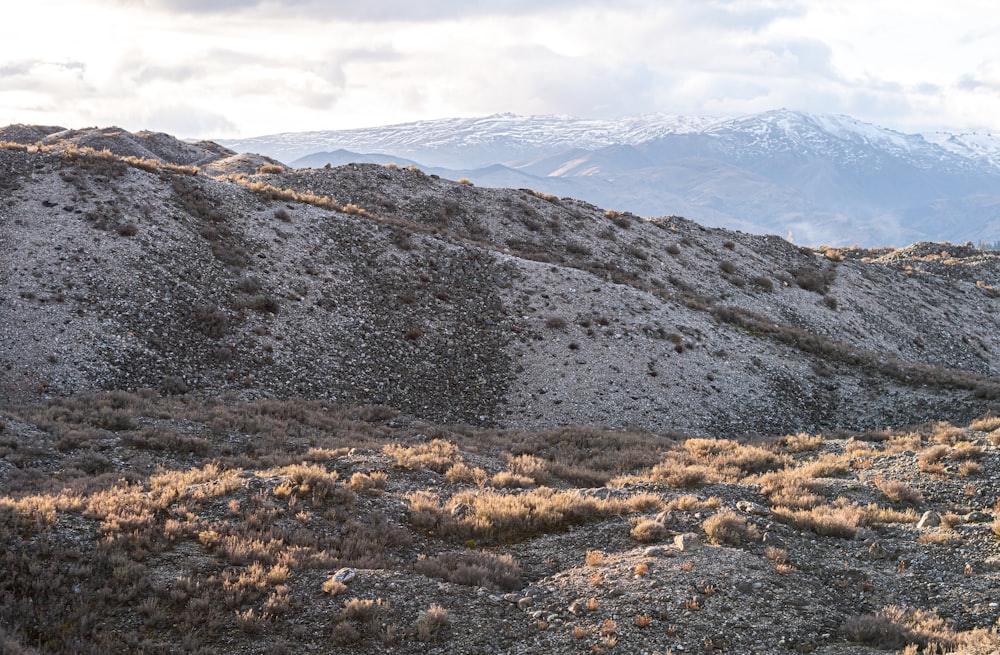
(827, 179)
(476, 142)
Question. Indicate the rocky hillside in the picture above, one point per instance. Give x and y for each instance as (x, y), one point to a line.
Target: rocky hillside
(377, 284)
(249, 409)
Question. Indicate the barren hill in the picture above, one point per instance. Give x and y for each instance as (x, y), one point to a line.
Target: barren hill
(365, 408)
(462, 304)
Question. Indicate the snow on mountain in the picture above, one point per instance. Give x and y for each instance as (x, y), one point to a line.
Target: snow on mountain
(981, 146)
(456, 142)
(835, 178)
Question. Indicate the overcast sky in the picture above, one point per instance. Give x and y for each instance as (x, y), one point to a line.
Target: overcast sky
(232, 68)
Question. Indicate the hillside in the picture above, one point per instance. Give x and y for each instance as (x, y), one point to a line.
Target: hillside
(826, 179)
(463, 304)
(364, 407)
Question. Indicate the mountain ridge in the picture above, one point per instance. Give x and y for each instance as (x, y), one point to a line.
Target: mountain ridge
(841, 180)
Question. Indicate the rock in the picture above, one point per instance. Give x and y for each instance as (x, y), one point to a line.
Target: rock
(748, 507)
(978, 517)
(687, 541)
(663, 517)
(344, 575)
(930, 519)
(656, 551)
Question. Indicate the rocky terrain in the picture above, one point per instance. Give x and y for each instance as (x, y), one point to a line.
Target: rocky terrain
(496, 413)
(138, 523)
(459, 304)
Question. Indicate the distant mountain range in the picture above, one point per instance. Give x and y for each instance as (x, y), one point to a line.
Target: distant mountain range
(824, 179)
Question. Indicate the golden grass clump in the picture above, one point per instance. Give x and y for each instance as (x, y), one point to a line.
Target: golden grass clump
(461, 472)
(800, 443)
(728, 527)
(898, 492)
(497, 516)
(986, 424)
(824, 520)
(791, 488)
(648, 530)
(437, 455)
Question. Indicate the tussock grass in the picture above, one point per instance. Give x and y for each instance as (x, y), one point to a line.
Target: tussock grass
(503, 517)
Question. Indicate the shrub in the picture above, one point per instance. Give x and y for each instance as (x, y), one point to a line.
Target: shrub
(727, 527)
(680, 475)
(483, 569)
(555, 322)
(368, 481)
(986, 424)
(899, 492)
(363, 610)
(727, 267)
(763, 283)
(533, 467)
(260, 302)
(211, 321)
(462, 472)
(824, 520)
(509, 480)
(430, 622)
(128, 229)
(502, 516)
(648, 530)
(438, 455)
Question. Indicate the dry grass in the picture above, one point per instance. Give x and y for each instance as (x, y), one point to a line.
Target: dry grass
(986, 424)
(480, 569)
(899, 492)
(504, 517)
(648, 530)
(270, 516)
(437, 455)
(692, 503)
(824, 520)
(895, 627)
(792, 488)
(800, 443)
(728, 527)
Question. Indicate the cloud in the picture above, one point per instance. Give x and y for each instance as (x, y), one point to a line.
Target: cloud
(37, 70)
(378, 10)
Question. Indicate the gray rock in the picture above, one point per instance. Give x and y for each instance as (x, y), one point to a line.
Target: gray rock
(345, 575)
(748, 507)
(656, 551)
(687, 542)
(978, 517)
(930, 519)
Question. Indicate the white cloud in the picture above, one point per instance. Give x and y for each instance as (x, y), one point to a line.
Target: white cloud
(256, 66)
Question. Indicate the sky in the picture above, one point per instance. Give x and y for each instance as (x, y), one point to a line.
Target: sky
(240, 68)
